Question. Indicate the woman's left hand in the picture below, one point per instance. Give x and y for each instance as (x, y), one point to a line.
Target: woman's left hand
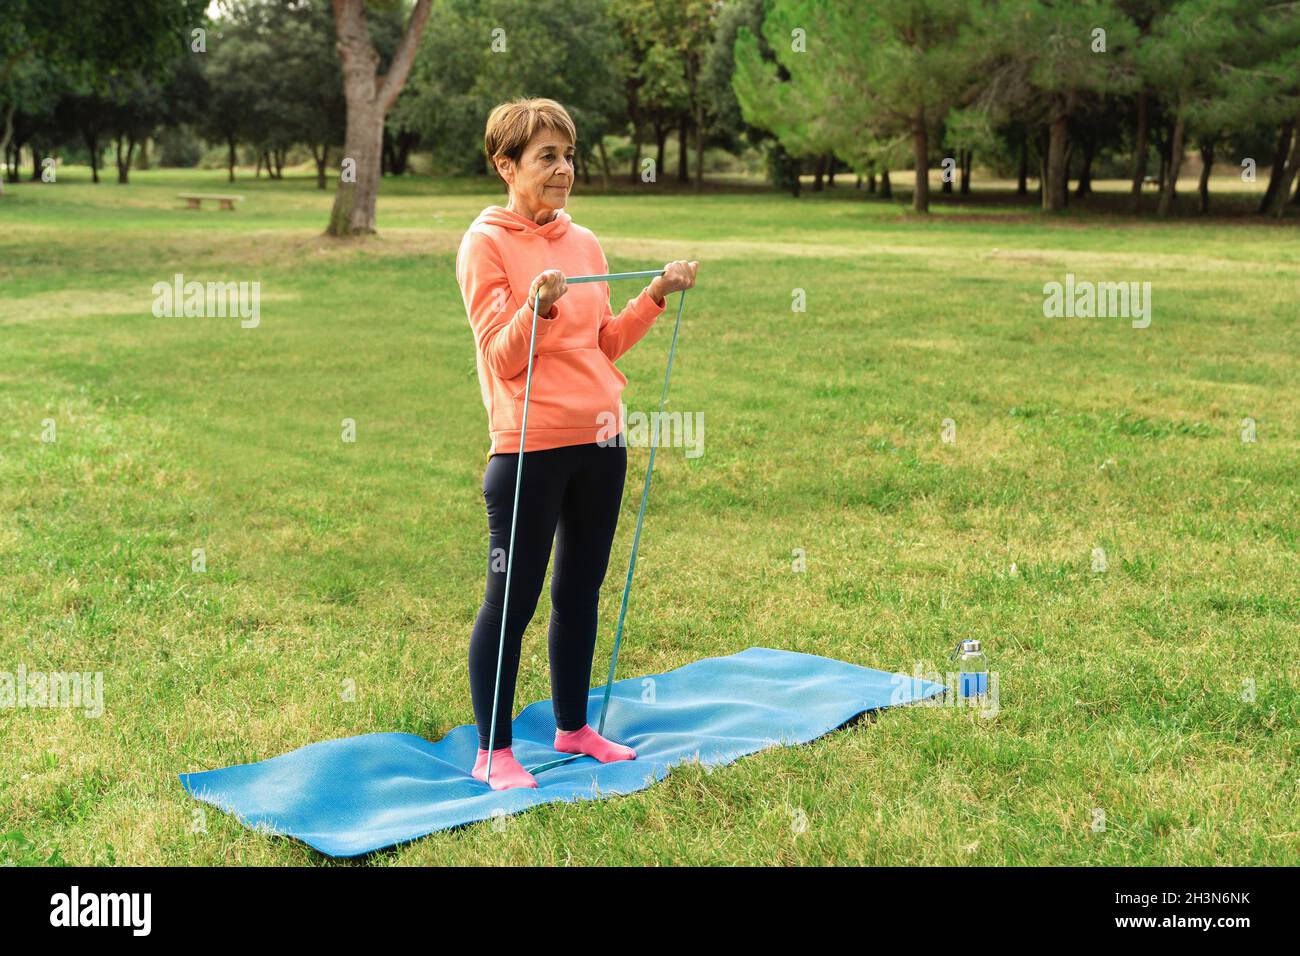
(678, 276)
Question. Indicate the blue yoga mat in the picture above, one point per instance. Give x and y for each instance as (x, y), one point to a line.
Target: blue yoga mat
(353, 795)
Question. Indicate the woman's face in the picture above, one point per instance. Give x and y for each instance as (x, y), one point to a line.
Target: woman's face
(540, 182)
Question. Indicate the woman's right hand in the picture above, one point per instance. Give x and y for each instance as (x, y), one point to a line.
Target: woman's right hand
(548, 287)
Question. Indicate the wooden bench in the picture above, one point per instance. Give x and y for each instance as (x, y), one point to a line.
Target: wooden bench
(195, 200)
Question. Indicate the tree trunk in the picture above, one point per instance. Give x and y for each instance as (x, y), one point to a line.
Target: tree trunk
(1054, 186)
(1085, 173)
(230, 161)
(92, 147)
(322, 163)
(354, 202)
(1140, 153)
(368, 101)
(683, 152)
(661, 141)
(699, 150)
(1203, 188)
(1022, 176)
(124, 163)
(1040, 143)
(886, 190)
(1283, 191)
(406, 141)
(604, 164)
(871, 182)
(1065, 182)
(1279, 164)
(921, 156)
(1168, 194)
(965, 171)
(1164, 138)
(830, 171)
(37, 156)
(818, 172)
(7, 134)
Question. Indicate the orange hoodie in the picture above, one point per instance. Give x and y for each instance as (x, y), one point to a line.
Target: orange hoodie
(577, 390)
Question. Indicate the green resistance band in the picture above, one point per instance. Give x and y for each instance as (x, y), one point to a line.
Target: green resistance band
(636, 538)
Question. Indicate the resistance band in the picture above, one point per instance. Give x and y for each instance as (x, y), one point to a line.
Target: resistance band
(636, 538)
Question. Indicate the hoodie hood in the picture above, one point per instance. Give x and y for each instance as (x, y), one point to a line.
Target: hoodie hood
(514, 222)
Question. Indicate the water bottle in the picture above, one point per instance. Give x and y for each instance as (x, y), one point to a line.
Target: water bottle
(972, 669)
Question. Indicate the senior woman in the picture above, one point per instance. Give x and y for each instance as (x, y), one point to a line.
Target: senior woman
(572, 483)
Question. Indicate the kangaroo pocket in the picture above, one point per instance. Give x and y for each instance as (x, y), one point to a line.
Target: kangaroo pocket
(571, 388)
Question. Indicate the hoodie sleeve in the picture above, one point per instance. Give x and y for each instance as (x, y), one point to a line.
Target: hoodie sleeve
(500, 334)
(618, 333)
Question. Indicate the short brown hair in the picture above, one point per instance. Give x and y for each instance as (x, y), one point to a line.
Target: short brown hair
(511, 126)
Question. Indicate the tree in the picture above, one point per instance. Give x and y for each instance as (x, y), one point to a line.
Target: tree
(1143, 13)
(728, 124)
(1182, 58)
(569, 53)
(1050, 60)
(229, 78)
(787, 96)
(34, 92)
(136, 105)
(1260, 84)
(369, 97)
(439, 99)
(887, 72)
(656, 90)
(87, 41)
(910, 65)
(684, 28)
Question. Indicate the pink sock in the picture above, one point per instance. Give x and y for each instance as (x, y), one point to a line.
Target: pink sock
(507, 772)
(587, 741)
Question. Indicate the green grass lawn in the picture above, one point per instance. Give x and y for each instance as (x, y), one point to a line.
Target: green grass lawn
(1160, 692)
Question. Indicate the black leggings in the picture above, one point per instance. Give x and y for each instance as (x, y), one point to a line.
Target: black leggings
(570, 494)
